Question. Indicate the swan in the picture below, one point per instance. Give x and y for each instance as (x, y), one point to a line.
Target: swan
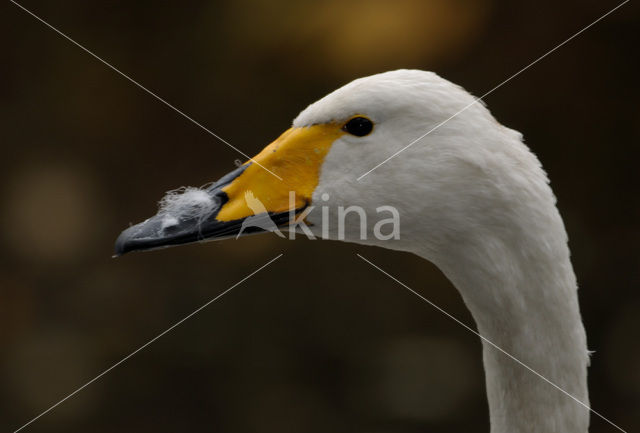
(472, 199)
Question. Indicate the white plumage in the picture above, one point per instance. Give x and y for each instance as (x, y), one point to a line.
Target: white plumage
(475, 201)
(472, 199)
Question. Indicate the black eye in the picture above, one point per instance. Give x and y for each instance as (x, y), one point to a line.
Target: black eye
(358, 126)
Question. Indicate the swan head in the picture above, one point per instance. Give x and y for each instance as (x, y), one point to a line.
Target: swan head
(407, 147)
(468, 195)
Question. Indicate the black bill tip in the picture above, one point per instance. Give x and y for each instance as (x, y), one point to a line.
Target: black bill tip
(192, 217)
(182, 224)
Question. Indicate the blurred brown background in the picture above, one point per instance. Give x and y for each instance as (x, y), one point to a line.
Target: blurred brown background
(319, 341)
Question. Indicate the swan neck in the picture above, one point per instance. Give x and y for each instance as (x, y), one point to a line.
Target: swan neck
(523, 296)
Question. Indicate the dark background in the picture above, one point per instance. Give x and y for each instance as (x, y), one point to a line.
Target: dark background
(319, 341)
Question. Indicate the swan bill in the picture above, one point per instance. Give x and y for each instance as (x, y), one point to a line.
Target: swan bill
(263, 194)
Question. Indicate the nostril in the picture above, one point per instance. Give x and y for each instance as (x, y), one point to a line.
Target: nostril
(169, 224)
(170, 229)
(185, 204)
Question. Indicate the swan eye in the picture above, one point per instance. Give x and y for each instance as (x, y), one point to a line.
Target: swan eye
(358, 126)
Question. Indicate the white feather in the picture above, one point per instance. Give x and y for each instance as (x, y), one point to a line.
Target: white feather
(475, 201)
